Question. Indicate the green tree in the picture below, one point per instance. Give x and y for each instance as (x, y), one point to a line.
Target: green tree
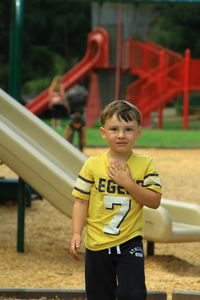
(54, 39)
(176, 26)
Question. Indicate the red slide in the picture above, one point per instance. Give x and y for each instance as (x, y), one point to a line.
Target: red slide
(96, 57)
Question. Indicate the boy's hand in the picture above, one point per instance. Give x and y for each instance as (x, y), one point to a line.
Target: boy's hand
(75, 245)
(119, 174)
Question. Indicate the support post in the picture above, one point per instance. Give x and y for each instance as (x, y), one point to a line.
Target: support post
(118, 52)
(15, 53)
(150, 248)
(186, 89)
(21, 216)
(161, 87)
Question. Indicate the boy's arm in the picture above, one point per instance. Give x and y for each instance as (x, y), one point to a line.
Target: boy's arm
(83, 135)
(143, 195)
(62, 90)
(66, 133)
(49, 97)
(122, 176)
(79, 215)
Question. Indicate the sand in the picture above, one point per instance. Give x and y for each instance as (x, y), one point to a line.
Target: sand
(46, 262)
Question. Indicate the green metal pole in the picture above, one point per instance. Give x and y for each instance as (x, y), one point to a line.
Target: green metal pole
(15, 70)
(15, 53)
(21, 216)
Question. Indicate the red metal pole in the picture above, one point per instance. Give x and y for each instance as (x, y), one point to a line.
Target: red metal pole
(186, 89)
(146, 58)
(93, 108)
(161, 87)
(118, 52)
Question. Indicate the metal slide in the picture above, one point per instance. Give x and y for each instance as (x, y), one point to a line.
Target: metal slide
(42, 158)
(96, 57)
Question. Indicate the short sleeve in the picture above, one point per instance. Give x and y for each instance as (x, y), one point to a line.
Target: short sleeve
(84, 182)
(151, 178)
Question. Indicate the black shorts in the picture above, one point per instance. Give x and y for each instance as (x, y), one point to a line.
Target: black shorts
(116, 273)
(57, 111)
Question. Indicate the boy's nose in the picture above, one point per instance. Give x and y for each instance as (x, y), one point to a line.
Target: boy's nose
(121, 134)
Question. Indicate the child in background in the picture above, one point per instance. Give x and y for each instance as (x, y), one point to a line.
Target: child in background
(110, 192)
(57, 102)
(77, 124)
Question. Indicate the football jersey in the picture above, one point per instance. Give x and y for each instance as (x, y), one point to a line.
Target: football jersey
(114, 217)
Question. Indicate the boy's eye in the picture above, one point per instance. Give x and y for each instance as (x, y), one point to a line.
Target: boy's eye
(129, 129)
(113, 128)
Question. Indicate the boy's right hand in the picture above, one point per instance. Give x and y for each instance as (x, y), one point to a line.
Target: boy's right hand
(75, 245)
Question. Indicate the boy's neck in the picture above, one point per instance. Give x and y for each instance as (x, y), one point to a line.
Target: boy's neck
(121, 157)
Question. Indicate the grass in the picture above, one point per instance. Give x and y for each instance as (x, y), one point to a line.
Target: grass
(164, 138)
(169, 124)
(151, 138)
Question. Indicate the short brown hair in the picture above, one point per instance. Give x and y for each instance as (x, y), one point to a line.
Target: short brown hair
(123, 109)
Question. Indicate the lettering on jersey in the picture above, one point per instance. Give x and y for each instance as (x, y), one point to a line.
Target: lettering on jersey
(110, 187)
(102, 184)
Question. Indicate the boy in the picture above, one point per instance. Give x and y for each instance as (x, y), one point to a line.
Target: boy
(77, 124)
(110, 192)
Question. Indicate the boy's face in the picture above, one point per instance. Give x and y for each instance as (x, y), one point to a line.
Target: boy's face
(120, 135)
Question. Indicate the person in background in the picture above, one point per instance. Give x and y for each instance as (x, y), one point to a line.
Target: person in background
(76, 124)
(57, 102)
(110, 192)
(77, 99)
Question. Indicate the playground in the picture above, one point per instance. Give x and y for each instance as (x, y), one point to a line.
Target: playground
(46, 262)
(142, 72)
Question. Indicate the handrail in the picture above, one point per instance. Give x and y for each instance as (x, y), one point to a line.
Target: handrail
(160, 75)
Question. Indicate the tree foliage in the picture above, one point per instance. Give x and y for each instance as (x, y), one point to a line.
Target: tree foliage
(55, 36)
(54, 39)
(175, 26)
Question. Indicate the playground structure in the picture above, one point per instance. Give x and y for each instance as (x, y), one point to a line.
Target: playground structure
(146, 81)
(66, 294)
(96, 57)
(50, 165)
(160, 76)
(172, 222)
(163, 75)
(37, 154)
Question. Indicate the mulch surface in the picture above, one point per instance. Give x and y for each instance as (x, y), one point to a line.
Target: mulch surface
(46, 262)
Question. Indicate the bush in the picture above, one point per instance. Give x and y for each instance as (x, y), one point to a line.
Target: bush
(194, 104)
(36, 86)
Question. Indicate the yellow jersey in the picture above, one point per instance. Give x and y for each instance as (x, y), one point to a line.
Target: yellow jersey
(114, 217)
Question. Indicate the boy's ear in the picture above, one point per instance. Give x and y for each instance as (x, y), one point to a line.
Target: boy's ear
(139, 132)
(102, 130)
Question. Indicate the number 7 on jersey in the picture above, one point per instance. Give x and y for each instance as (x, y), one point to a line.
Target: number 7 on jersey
(125, 205)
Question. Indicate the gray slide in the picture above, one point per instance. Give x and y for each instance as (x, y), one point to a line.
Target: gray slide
(42, 158)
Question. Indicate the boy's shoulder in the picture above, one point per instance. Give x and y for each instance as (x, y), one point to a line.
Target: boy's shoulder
(97, 157)
(96, 162)
(141, 156)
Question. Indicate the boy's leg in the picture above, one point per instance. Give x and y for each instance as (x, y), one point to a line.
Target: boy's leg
(80, 137)
(53, 121)
(59, 116)
(71, 135)
(130, 271)
(100, 275)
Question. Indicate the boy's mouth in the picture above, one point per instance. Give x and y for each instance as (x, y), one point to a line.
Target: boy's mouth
(121, 143)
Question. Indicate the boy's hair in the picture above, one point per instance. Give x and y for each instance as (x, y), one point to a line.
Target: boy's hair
(123, 109)
(76, 117)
